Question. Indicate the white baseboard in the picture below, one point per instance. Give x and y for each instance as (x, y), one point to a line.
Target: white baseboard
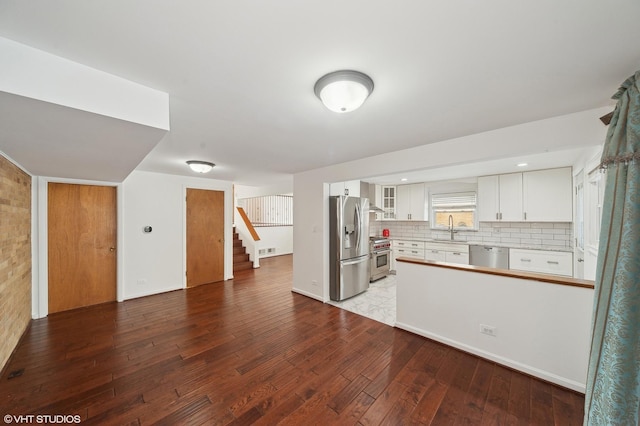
(149, 293)
(306, 293)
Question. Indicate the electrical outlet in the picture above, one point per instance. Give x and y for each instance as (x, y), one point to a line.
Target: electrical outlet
(488, 330)
(314, 283)
(142, 281)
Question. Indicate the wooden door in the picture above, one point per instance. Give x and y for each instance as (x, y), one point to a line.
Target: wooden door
(82, 245)
(205, 236)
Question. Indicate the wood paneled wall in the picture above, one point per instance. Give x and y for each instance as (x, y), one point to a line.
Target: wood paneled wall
(15, 256)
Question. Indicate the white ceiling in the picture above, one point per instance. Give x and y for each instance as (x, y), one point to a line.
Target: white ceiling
(544, 160)
(240, 74)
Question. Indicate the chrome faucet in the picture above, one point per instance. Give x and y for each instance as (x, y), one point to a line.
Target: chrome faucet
(451, 231)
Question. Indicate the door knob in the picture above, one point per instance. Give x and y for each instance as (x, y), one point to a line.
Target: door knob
(112, 249)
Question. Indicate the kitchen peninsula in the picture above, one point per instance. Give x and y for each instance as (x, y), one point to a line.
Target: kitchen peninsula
(538, 324)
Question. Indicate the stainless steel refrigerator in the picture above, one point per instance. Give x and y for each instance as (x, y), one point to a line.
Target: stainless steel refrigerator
(348, 246)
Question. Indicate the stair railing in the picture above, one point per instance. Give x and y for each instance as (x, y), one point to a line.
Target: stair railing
(249, 236)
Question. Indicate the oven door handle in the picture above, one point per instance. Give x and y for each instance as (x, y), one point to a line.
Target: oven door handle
(377, 253)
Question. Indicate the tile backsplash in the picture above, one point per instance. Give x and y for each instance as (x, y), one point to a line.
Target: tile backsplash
(537, 235)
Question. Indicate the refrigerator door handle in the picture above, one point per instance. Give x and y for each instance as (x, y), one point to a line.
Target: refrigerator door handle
(354, 261)
(358, 222)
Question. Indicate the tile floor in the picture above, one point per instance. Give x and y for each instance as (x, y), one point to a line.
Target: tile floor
(377, 303)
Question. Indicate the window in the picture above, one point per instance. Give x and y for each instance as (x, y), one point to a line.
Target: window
(270, 210)
(461, 206)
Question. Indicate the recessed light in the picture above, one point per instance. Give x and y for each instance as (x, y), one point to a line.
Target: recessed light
(522, 164)
(404, 179)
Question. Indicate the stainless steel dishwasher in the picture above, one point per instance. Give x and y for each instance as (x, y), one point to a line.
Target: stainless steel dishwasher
(491, 256)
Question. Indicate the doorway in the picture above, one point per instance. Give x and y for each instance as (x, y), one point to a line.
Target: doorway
(81, 230)
(205, 236)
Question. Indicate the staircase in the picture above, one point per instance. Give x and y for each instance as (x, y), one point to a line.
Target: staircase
(241, 260)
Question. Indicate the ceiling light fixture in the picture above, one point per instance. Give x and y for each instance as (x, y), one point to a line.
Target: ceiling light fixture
(522, 164)
(343, 91)
(200, 166)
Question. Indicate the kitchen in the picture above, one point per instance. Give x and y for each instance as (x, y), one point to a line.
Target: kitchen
(468, 156)
(540, 224)
(537, 244)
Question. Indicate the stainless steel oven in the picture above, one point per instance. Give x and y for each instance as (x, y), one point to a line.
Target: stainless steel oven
(380, 249)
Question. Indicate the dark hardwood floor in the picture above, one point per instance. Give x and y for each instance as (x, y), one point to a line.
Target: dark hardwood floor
(249, 351)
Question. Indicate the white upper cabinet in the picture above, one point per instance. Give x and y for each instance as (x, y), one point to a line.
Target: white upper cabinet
(350, 188)
(538, 196)
(511, 197)
(388, 202)
(411, 202)
(548, 195)
(500, 198)
(488, 198)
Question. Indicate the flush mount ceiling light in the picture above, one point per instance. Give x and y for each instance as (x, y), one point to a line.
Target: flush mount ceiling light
(343, 91)
(200, 166)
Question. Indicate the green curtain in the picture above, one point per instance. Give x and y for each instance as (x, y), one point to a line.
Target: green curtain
(613, 380)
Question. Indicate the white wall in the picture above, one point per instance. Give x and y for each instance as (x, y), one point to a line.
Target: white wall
(277, 237)
(40, 75)
(542, 329)
(144, 198)
(310, 237)
(158, 200)
(245, 191)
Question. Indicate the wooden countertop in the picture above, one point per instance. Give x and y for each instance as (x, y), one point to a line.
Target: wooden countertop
(552, 279)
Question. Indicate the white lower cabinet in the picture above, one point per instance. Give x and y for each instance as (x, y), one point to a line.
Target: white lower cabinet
(435, 255)
(457, 257)
(447, 252)
(410, 252)
(406, 248)
(433, 251)
(541, 261)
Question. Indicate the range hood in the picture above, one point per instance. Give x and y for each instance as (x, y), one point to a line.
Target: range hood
(367, 190)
